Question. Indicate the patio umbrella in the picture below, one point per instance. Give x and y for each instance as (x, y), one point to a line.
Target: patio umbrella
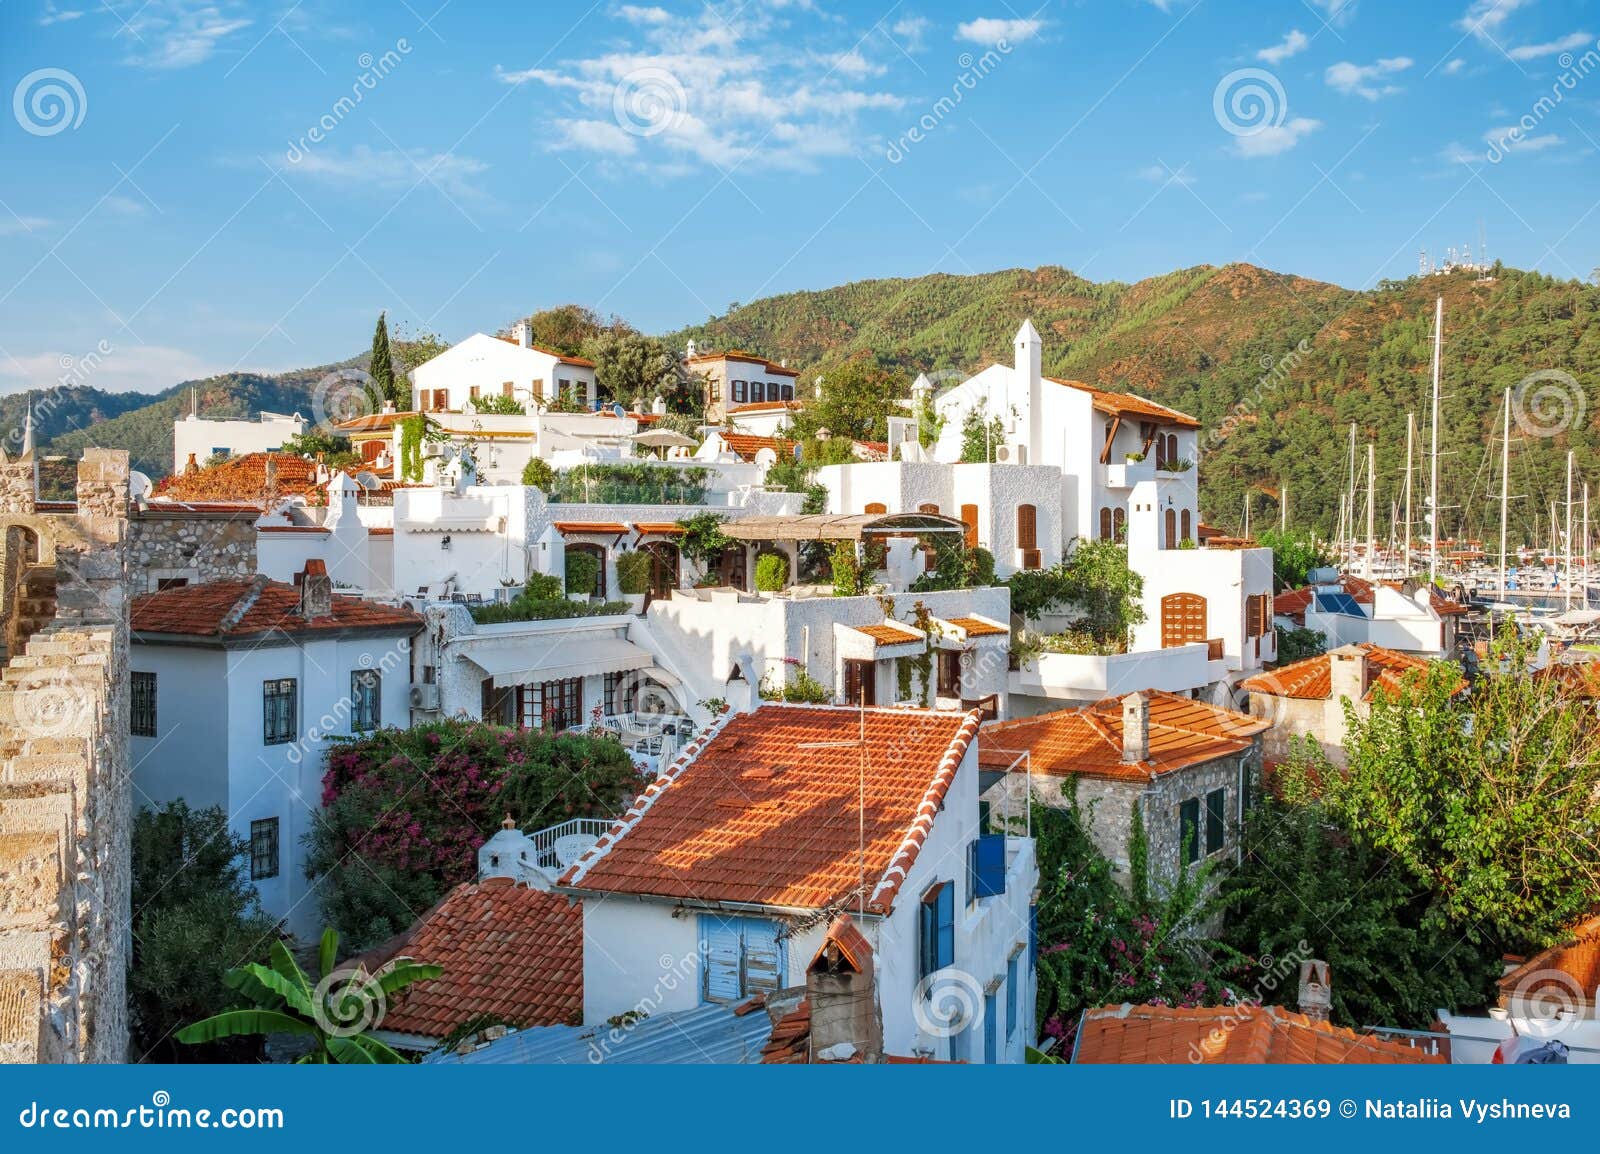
(664, 439)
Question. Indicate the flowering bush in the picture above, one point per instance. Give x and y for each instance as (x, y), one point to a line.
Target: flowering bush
(404, 811)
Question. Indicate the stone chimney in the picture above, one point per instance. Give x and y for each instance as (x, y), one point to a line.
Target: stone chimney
(1347, 670)
(846, 1022)
(1316, 989)
(316, 590)
(1135, 728)
(522, 335)
(192, 465)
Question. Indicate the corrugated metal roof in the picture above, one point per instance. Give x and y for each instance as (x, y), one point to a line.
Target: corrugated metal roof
(710, 1034)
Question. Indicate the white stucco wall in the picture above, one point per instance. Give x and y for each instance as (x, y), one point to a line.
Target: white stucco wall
(203, 437)
(488, 362)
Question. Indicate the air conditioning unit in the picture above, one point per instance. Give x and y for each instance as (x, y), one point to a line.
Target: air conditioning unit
(424, 696)
(433, 449)
(1011, 453)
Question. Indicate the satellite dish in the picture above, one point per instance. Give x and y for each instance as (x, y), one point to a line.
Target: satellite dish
(139, 485)
(368, 480)
(618, 411)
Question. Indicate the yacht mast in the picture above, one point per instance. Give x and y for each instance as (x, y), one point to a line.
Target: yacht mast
(1411, 436)
(1505, 472)
(1433, 484)
(1350, 502)
(1372, 497)
(1566, 576)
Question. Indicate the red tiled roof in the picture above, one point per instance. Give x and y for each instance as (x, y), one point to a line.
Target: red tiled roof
(661, 528)
(590, 527)
(745, 446)
(887, 633)
(510, 952)
(1088, 741)
(381, 531)
(765, 406)
(1556, 972)
(243, 608)
(372, 422)
(242, 479)
(1229, 1035)
(747, 815)
(1312, 679)
(562, 357)
(1128, 405)
(976, 628)
(790, 1043)
(738, 355)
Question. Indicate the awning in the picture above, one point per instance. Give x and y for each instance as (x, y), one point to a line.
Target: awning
(553, 659)
(839, 526)
(590, 527)
(662, 528)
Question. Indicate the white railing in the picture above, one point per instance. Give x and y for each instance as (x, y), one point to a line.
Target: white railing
(544, 840)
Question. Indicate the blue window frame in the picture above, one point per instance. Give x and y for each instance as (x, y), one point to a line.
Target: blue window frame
(989, 1029)
(1011, 998)
(986, 866)
(742, 956)
(936, 928)
(1033, 938)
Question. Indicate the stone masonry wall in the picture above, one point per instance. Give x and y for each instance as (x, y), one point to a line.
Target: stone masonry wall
(65, 808)
(199, 546)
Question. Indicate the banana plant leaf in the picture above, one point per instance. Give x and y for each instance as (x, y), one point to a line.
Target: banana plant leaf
(234, 1023)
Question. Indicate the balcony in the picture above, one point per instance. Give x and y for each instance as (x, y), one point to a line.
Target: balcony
(1127, 474)
(1091, 677)
(556, 847)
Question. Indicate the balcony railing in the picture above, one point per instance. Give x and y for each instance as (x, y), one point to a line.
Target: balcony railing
(555, 842)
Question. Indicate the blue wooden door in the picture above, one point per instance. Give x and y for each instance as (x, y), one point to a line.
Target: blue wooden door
(989, 1029)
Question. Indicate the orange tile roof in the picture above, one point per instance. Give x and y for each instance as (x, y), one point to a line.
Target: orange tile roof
(976, 628)
(372, 422)
(745, 446)
(562, 357)
(1581, 680)
(1229, 1035)
(739, 355)
(247, 608)
(662, 528)
(765, 406)
(1088, 741)
(242, 479)
(509, 952)
(590, 527)
(888, 633)
(790, 1043)
(746, 815)
(1128, 405)
(1312, 679)
(1578, 960)
(381, 531)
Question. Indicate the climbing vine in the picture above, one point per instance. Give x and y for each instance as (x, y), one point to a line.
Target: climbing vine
(412, 431)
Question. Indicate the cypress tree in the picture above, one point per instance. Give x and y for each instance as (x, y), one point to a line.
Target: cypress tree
(382, 368)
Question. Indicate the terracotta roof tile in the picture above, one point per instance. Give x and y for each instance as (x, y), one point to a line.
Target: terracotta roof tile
(243, 479)
(562, 357)
(766, 406)
(1578, 959)
(1088, 741)
(243, 608)
(590, 527)
(747, 815)
(1229, 1035)
(1312, 679)
(974, 627)
(745, 446)
(1128, 405)
(888, 634)
(740, 355)
(660, 528)
(510, 952)
(372, 422)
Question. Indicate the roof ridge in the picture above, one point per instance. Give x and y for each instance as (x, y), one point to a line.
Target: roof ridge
(240, 607)
(905, 855)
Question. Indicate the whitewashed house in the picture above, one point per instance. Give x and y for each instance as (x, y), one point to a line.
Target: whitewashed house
(483, 366)
(236, 687)
(755, 394)
(740, 856)
(199, 439)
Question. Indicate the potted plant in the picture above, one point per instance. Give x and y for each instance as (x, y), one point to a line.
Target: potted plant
(633, 578)
(772, 573)
(583, 570)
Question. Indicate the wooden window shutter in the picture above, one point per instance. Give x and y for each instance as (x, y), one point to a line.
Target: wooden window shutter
(969, 518)
(1183, 619)
(876, 507)
(1105, 524)
(1027, 527)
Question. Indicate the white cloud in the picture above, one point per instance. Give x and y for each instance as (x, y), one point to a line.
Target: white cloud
(634, 14)
(54, 15)
(391, 169)
(988, 30)
(1551, 47)
(684, 96)
(1275, 139)
(135, 368)
(1515, 138)
(1485, 18)
(1161, 174)
(1338, 11)
(167, 34)
(1364, 80)
(124, 206)
(1291, 45)
(13, 225)
(1455, 153)
(911, 30)
(1454, 66)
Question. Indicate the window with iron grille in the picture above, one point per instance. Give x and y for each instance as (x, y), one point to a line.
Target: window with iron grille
(263, 849)
(366, 687)
(278, 714)
(142, 707)
(611, 682)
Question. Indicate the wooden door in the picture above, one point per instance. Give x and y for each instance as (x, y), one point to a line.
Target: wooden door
(1183, 619)
(663, 567)
(969, 518)
(861, 682)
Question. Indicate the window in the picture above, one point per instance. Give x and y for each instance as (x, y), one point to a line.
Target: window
(1189, 830)
(739, 392)
(163, 583)
(1183, 619)
(609, 694)
(1119, 525)
(1171, 537)
(1027, 527)
(758, 391)
(536, 387)
(564, 389)
(861, 682)
(1105, 524)
(366, 687)
(473, 392)
(552, 704)
(1216, 820)
(986, 866)
(278, 700)
(715, 387)
(1011, 998)
(788, 393)
(969, 518)
(949, 684)
(743, 956)
(142, 707)
(264, 849)
(441, 399)
(507, 389)
(1256, 610)
(875, 507)
(936, 928)
(1187, 520)
(990, 1046)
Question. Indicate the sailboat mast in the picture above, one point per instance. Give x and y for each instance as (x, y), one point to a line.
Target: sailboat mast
(1372, 497)
(1350, 501)
(1411, 436)
(1586, 544)
(1505, 492)
(1433, 483)
(1566, 576)
(1283, 507)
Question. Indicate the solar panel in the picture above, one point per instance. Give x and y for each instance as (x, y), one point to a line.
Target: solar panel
(1341, 603)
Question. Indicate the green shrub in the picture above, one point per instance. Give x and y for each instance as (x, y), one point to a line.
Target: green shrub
(846, 570)
(500, 405)
(797, 688)
(772, 572)
(544, 587)
(632, 483)
(525, 609)
(583, 571)
(633, 572)
(539, 474)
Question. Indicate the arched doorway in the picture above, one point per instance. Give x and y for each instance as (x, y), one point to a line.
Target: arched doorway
(1171, 520)
(663, 567)
(598, 552)
(1188, 526)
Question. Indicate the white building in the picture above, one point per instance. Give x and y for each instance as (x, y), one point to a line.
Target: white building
(483, 366)
(753, 392)
(199, 439)
(740, 855)
(236, 688)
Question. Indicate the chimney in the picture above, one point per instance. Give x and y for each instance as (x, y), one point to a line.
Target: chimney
(316, 590)
(689, 351)
(522, 334)
(846, 1022)
(388, 406)
(1316, 989)
(193, 466)
(511, 854)
(1135, 728)
(1347, 671)
(1028, 365)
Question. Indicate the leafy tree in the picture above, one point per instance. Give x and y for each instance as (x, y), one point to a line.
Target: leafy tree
(980, 437)
(335, 1013)
(564, 328)
(635, 369)
(1299, 644)
(1293, 556)
(404, 811)
(194, 914)
(857, 398)
(413, 350)
(703, 540)
(538, 473)
(382, 368)
(1105, 590)
(500, 404)
(1035, 592)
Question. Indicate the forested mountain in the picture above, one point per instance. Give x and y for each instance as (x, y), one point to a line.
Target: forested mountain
(1275, 367)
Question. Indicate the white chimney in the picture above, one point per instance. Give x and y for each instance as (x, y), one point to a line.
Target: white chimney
(522, 334)
(510, 853)
(1135, 728)
(690, 350)
(1316, 990)
(1029, 370)
(1347, 672)
(659, 407)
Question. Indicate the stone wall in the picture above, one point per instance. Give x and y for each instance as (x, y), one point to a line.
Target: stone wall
(65, 809)
(198, 546)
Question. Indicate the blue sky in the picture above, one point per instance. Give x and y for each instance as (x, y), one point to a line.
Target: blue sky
(192, 187)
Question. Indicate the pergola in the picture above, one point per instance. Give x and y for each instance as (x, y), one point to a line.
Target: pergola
(839, 526)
